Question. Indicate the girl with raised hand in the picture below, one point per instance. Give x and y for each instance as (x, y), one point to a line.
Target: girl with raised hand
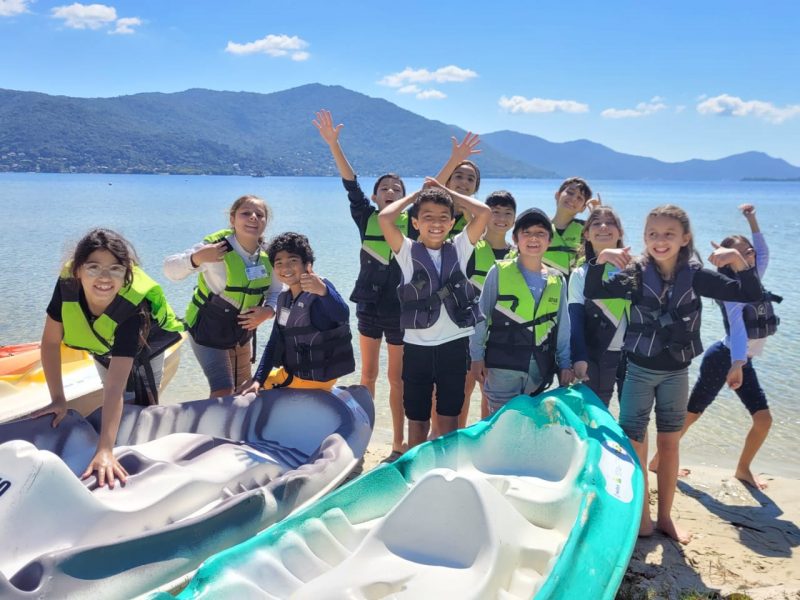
(105, 304)
(235, 293)
(664, 287)
(598, 326)
(375, 292)
(747, 326)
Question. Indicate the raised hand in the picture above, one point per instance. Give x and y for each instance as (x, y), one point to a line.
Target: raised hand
(312, 283)
(324, 123)
(619, 257)
(723, 257)
(210, 253)
(593, 203)
(466, 148)
(748, 210)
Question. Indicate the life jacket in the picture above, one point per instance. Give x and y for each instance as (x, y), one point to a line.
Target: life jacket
(562, 254)
(97, 337)
(603, 318)
(664, 318)
(759, 317)
(421, 299)
(459, 226)
(213, 318)
(520, 328)
(481, 261)
(379, 275)
(306, 351)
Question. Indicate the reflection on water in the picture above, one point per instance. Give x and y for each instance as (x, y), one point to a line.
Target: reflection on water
(42, 215)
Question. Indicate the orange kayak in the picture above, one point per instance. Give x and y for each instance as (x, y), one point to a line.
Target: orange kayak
(17, 358)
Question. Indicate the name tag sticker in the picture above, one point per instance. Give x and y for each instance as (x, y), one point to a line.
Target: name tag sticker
(256, 272)
(283, 317)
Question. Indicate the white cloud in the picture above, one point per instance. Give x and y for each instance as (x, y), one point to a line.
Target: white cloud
(273, 45)
(409, 89)
(520, 104)
(9, 8)
(643, 109)
(431, 95)
(85, 16)
(125, 25)
(731, 106)
(448, 74)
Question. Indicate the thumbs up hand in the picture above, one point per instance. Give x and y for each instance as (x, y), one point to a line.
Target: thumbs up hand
(723, 257)
(312, 283)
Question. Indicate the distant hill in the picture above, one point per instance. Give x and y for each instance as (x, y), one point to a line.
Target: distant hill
(592, 160)
(203, 131)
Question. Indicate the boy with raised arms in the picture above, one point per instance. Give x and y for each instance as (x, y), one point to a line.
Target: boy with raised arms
(438, 304)
(527, 331)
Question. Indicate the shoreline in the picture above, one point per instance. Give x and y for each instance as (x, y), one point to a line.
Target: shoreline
(744, 539)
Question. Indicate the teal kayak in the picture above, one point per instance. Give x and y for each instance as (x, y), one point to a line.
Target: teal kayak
(541, 500)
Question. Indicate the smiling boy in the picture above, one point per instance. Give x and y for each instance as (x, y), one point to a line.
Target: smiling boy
(527, 331)
(438, 304)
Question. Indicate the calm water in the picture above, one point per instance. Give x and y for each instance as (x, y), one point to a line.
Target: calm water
(41, 216)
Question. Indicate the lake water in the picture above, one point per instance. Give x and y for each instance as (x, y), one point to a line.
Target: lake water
(43, 215)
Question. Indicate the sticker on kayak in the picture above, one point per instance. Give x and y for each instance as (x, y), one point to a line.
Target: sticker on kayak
(617, 468)
(4, 485)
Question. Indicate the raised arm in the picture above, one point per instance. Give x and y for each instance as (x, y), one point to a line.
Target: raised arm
(459, 152)
(329, 133)
(749, 212)
(387, 217)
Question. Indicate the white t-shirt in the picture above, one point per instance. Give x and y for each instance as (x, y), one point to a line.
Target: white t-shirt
(444, 329)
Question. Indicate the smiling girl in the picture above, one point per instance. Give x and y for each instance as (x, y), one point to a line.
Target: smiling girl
(233, 285)
(105, 304)
(663, 335)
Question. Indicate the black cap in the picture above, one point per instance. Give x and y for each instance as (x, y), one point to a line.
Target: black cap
(533, 216)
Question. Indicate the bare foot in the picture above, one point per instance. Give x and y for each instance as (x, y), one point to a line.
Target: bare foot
(747, 476)
(646, 528)
(653, 468)
(670, 529)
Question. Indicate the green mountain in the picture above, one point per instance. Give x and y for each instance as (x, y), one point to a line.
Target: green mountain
(203, 131)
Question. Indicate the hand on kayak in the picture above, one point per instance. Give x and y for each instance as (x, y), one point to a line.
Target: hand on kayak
(57, 408)
(566, 377)
(107, 467)
(581, 368)
(251, 386)
(253, 317)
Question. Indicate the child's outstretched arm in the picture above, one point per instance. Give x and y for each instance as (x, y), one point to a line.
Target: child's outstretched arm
(749, 212)
(387, 217)
(329, 133)
(759, 243)
(460, 152)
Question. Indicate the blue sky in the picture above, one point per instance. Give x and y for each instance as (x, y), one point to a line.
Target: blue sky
(676, 80)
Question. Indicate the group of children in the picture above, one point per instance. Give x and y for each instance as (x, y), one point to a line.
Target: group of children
(456, 302)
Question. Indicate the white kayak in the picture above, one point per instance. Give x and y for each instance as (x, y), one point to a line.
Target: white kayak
(204, 475)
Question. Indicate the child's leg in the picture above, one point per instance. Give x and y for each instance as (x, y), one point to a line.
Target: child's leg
(240, 361)
(713, 371)
(603, 374)
(418, 376)
(217, 368)
(395, 352)
(755, 400)
(469, 387)
(451, 365)
(634, 415)
(672, 396)
(370, 354)
(501, 386)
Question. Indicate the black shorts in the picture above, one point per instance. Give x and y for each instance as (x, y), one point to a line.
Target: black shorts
(444, 365)
(713, 372)
(373, 324)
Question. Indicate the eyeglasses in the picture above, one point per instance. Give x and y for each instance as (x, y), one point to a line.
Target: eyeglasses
(96, 270)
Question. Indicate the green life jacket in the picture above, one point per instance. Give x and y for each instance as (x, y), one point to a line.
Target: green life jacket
(98, 337)
(563, 251)
(459, 226)
(603, 318)
(379, 274)
(240, 292)
(482, 260)
(520, 328)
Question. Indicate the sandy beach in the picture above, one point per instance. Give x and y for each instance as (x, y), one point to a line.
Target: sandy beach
(744, 543)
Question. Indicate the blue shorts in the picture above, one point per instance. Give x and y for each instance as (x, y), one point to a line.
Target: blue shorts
(713, 372)
(219, 365)
(669, 390)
